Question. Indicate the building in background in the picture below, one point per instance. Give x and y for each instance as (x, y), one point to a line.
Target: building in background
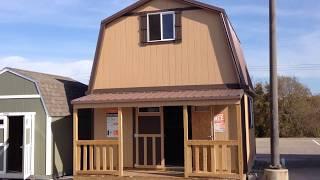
(36, 123)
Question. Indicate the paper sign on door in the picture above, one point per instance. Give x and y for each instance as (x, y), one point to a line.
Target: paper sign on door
(112, 125)
(219, 123)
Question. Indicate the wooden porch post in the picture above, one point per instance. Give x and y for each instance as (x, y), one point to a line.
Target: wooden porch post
(75, 139)
(240, 153)
(120, 138)
(162, 137)
(187, 165)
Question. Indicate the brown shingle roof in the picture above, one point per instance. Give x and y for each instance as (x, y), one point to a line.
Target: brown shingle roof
(160, 96)
(56, 91)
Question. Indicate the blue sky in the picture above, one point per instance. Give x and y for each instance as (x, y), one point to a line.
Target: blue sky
(59, 36)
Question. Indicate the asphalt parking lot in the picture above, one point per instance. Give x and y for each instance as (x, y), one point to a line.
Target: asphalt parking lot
(300, 155)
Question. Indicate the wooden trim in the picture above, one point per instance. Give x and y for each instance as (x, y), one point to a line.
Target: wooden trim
(111, 158)
(158, 103)
(96, 60)
(98, 158)
(75, 139)
(169, 88)
(232, 48)
(205, 159)
(136, 139)
(149, 166)
(91, 157)
(85, 158)
(213, 159)
(162, 10)
(187, 165)
(154, 151)
(120, 138)
(211, 143)
(145, 138)
(240, 145)
(95, 172)
(97, 142)
(196, 159)
(215, 175)
(142, 2)
(147, 135)
(149, 113)
(104, 158)
(145, 151)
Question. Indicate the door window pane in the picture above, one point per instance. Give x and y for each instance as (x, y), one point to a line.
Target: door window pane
(167, 20)
(154, 27)
(149, 109)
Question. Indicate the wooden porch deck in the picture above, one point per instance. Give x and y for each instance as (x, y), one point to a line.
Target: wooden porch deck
(134, 174)
(209, 159)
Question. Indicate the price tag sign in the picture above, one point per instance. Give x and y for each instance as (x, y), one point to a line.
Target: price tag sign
(219, 123)
(112, 125)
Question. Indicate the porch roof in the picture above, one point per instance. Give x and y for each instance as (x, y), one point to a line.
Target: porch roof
(160, 95)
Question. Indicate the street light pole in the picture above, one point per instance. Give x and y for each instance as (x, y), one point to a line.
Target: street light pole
(275, 155)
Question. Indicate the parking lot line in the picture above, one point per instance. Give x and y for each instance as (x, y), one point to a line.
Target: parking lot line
(316, 142)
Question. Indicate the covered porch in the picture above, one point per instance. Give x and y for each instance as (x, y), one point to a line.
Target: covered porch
(180, 133)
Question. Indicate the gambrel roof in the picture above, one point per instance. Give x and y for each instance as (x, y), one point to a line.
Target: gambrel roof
(56, 91)
(234, 43)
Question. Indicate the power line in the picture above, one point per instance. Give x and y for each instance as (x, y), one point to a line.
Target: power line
(295, 67)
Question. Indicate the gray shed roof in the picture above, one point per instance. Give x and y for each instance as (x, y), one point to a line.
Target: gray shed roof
(57, 91)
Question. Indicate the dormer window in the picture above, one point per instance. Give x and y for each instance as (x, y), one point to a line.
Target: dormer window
(161, 26)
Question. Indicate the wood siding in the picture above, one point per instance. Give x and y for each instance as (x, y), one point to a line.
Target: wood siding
(203, 56)
(201, 130)
(250, 135)
(100, 129)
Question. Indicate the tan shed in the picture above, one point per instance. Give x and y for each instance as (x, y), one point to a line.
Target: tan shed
(170, 90)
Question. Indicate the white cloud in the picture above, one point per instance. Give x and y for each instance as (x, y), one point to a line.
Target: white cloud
(62, 13)
(76, 69)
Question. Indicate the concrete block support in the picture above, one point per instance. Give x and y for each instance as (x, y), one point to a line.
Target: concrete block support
(276, 174)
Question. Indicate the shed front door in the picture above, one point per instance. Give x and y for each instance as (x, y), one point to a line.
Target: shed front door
(27, 145)
(149, 137)
(3, 143)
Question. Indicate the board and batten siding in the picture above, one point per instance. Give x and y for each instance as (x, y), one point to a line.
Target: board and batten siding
(203, 56)
(62, 145)
(32, 105)
(11, 84)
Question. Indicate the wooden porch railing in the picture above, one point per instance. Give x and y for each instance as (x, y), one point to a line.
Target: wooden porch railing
(145, 149)
(97, 157)
(212, 158)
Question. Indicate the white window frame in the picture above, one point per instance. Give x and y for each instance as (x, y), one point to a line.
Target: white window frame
(161, 26)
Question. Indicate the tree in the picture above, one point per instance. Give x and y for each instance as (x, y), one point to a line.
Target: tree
(299, 111)
(261, 111)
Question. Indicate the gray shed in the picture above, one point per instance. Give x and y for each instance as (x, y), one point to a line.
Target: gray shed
(36, 123)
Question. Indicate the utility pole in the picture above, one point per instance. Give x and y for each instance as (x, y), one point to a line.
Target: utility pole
(275, 155)
(275, 171)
